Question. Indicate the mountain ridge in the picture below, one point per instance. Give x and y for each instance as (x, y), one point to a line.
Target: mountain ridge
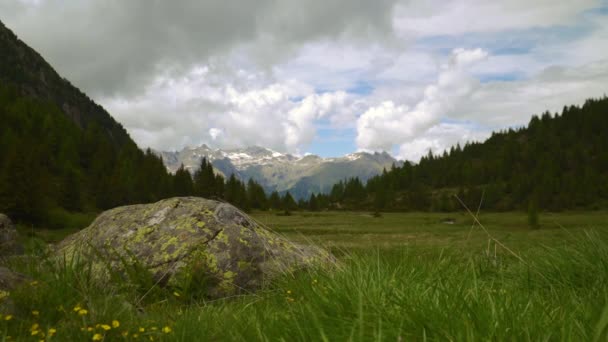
(282, 172)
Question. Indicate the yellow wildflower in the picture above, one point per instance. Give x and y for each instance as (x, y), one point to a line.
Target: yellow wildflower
(77, 308)
(115, 324)
(288, 291)
(89, 329)
(8, 317)
(35, 312)
(35, 332)
(105, 327)
(52, 331)
(82, 312)
(35, 327)
(142, 330)
(97, 337)
(167, 329)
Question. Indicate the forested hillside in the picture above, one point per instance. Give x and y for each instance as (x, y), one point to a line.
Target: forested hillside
(63, 154)
(557, 162)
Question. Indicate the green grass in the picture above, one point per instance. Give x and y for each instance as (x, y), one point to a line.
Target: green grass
(401, 277)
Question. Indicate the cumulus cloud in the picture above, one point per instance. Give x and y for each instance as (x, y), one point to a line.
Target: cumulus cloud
(116, 47)
(502, 104)
(241, 111)
(457, 17)
(440, 138)
(389, 124)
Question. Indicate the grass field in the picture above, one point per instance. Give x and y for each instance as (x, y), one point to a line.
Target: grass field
(402, 277)
(362, 231)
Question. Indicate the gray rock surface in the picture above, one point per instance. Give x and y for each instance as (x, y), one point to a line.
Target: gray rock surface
(190, 236)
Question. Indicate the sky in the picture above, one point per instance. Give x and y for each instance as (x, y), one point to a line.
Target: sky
(327, 77)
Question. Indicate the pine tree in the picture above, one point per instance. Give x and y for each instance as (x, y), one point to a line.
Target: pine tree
(288, 203)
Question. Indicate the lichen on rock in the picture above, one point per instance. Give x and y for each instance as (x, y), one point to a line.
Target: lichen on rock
(189, 234)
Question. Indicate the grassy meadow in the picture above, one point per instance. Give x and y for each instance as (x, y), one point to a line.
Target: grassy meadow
(401, 277)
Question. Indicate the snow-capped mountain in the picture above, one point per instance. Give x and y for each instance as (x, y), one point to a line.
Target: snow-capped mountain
(280, 171)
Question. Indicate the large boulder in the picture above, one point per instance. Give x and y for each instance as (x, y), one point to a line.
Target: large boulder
(190, 236)
(9, 244)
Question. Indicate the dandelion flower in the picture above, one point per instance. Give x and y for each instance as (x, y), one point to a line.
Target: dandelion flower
(97, 337)
(52, 331)
(167, 329)
(77, 308)
(141, 330)
(105, 327)
(35, 332)
(35, 327)
(115, 324)
(82, 312)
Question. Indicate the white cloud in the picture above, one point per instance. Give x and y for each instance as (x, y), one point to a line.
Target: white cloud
(214, 133)
(390, 124)
(115, 47)
(502, 104)
(238, 111)
(441, 17)
(440, 138)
